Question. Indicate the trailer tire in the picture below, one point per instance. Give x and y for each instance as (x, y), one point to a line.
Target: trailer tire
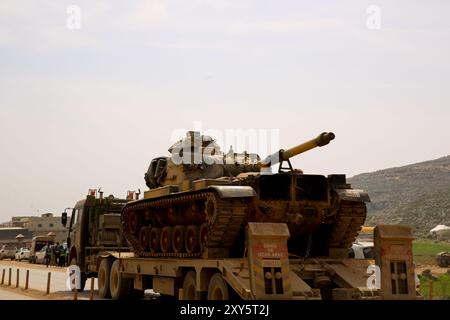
(190, 286)
(104, 271)
(218, 288)
(118, 286)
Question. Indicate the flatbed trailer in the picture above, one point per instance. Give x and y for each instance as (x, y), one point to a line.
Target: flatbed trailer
(268, 272)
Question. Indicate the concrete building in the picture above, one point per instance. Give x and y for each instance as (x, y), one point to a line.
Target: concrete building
(40, 226)
(8, 236)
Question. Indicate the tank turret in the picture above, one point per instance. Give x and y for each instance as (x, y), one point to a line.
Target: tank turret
(199, 157)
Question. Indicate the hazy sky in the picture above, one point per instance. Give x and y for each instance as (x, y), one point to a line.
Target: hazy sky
(91, 107)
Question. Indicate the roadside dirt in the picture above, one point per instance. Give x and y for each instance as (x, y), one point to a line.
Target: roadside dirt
(23, 264)
(435, 270)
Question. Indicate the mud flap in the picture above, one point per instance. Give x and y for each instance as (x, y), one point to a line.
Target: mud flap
(268, 260)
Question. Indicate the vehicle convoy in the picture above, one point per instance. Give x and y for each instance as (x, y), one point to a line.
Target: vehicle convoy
(222, 226)
(38, 247)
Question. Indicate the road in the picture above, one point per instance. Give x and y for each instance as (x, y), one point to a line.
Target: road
(6, 294)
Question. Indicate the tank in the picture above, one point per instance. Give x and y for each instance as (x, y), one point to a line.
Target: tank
(200, 200)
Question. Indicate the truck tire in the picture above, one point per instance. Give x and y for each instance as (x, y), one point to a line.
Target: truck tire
(104, 271)
(190, 286)
(118, 286)
(218, 288)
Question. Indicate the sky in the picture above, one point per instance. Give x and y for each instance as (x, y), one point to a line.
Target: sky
(88, 96)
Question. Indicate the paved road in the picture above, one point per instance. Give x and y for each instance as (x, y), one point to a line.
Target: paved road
(7, 295)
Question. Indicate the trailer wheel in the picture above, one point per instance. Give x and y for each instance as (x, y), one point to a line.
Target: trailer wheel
(118, 286)
(190, 286)
(104, 271)
(218, 288)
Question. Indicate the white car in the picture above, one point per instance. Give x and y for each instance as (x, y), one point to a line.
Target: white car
(23, 254)
(40, 256)
(362, 250)
(7, 252)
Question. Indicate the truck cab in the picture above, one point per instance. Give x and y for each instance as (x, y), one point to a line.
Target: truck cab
(94, 229)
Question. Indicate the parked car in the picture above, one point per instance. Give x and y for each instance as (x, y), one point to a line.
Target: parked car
(7, 252)
(23, 254)
(362, 250)
(39, 256)
(37, 243)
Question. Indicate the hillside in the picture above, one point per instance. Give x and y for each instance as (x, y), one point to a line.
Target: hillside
(417, 195)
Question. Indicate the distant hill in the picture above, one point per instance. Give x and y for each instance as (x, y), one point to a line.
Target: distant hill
(417, 195)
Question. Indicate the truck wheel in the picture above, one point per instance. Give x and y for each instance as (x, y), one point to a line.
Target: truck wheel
(119, 286)
(104, 271)
(218, 288)
(190, 286)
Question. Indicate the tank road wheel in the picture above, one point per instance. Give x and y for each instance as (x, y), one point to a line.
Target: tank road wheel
(119, 286)
(134, 223)
(204, 229)
(191, 239)
(218, 288)
(144, 238)
(103, 279)
(155, 234)
(211, 209)
(166, 239)
(178, 238)
(190, 286)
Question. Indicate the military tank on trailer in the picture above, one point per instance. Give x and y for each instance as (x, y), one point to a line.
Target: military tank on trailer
(200, 199)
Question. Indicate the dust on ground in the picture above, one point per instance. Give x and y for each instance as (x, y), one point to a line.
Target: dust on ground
(22, 264)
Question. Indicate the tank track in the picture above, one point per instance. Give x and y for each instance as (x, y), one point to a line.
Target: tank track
(349, 219)
(224, 220)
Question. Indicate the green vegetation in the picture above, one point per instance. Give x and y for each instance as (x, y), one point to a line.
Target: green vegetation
(440, 287)
(425, 251)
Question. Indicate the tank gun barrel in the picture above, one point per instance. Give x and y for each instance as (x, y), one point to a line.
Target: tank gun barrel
(283, 155)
